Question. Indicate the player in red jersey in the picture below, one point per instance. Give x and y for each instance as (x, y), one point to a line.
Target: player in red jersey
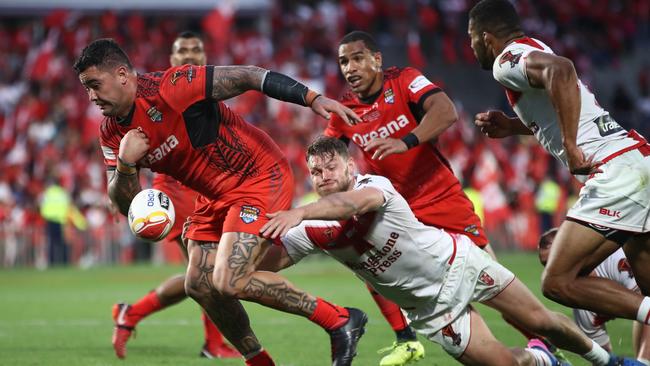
(402, 113)
(186, 49)
(175, 123)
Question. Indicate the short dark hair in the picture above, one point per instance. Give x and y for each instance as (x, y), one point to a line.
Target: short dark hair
(104, 52)
(544, 242)
(367, 39)
(188, 34)
(498, 17)
(327, 146)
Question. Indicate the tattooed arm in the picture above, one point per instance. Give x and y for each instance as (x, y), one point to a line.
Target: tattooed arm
(230, 81)
(122, 188)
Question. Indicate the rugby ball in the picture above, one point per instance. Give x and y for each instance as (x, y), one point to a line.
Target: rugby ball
(151, 215)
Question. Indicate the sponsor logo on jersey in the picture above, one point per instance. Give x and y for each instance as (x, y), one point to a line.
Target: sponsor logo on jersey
(449, 332)
(419, 83)
(249, 214)
(513, 58)
(109, 154)
(610, 213)
(384, 131)
(607, 126)
(485, 279)
(472, 229)
(379, 260)
(188, 74)
(372, 115)
(389, 96)
(161, 151)
(624, 266)
(154, 114)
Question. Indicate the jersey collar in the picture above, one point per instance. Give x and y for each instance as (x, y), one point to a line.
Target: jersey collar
(126, 121)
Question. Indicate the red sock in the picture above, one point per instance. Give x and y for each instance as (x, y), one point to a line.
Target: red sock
(212, 334)
(145, 306)
(261, 359)
(390, 310)
(329, 316)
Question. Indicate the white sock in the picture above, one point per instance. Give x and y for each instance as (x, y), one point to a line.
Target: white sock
(644, 361)
(598, 356)
(643, 314)
(540, 357)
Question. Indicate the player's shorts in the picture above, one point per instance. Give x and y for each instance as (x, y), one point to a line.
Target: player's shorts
(244, 208)
(183, 199)
(592, 325)
(455, 214)
(619, 197)
(475, 278)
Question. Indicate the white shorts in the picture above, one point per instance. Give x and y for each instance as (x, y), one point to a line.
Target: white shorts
(483, 278)
(619, 197)
(592, 325)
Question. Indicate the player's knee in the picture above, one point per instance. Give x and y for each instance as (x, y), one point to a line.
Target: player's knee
(227, 286)
(555, 288)
(195, 289)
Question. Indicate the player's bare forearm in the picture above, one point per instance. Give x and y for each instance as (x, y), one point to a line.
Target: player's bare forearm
(558, 77)
(122, 188)
(344, 205)
(440, 115)
(231, 81)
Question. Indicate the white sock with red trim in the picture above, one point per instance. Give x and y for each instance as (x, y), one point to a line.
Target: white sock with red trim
(598, 356)
(643, 314)
(540, 357)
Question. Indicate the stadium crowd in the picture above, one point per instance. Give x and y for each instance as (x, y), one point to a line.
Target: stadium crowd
(49, 130)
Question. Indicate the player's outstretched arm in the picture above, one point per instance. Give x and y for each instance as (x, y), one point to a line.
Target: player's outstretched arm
(230, 81)
(337, 206)
(558, 77)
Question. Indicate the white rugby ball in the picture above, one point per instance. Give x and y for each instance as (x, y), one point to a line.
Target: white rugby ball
(151, 215)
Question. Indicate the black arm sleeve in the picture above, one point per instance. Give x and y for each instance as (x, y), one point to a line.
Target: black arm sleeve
(282, 87)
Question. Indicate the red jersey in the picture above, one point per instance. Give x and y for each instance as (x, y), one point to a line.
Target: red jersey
(194, 139)
(421, 174)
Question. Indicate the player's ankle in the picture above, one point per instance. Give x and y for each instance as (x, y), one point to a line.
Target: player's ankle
(329, 316)
(643, 313)
(598, 356)
(406, 335)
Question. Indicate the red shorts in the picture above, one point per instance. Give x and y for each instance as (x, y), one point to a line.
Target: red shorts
(455, 214)
(183, 199)
(243, 209)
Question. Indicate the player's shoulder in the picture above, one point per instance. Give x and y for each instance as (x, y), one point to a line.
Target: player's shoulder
(513, 52)
(149, 84)
(371, 180)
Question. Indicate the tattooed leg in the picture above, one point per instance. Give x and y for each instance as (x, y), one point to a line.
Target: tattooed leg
(236, 275)
(226, 312)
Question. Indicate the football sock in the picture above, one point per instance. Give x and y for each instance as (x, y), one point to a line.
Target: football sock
(406, 335)
(148, 304)
(644, 361)
(260, 359)
(598, 356)
(329, 316)
(540, 357)
(212, 334)
(643, 314)
(392, 313)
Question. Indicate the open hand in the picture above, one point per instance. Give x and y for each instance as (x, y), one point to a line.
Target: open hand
(384, 147)
(323, 106)
(281, 222)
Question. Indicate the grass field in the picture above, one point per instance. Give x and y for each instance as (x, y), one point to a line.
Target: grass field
(62, 317)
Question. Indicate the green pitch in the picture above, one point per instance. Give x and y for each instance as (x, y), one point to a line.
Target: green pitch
(62, 317)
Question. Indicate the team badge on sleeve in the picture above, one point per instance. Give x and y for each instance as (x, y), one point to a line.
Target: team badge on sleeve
(419, 83)
(249, 214)
(513, 58)
(485, 279)
(188, 74)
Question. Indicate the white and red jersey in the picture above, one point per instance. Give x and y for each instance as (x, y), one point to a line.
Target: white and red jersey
(599, 136)
(404, 260)
(421, 174)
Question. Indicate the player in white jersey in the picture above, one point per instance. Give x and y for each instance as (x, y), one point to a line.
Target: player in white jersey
(364, 223)
(613, 207)
(615, 268)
